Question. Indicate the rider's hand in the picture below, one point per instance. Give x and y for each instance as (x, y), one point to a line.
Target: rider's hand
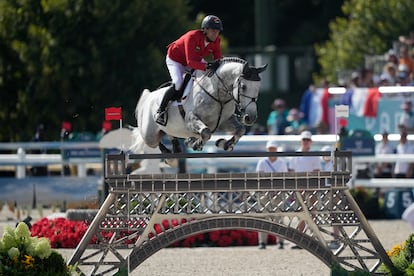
(213, 65)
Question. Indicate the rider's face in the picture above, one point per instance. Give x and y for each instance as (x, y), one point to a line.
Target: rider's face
(211, 34)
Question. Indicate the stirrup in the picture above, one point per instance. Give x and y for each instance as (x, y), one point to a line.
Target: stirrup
(161, 118)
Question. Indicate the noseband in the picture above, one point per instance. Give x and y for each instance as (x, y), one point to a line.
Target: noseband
(237, 94)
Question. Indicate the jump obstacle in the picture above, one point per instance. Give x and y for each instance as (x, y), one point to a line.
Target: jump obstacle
(276, 203)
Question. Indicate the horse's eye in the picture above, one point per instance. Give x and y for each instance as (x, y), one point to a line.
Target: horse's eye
(242, 86)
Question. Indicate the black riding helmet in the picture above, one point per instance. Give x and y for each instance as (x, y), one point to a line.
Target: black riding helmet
(212, 22)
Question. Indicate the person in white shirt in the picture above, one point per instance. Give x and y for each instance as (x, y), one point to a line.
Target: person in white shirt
(304, 164)
(384, 170)
(403, 169)
(270, 164)
(406, 123)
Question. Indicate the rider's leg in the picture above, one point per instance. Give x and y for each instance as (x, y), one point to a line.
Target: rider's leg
(162, 116)
(176, 71)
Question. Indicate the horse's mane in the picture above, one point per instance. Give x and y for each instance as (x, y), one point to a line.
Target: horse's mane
(233, 59)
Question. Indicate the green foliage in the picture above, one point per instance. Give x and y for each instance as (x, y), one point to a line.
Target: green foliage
(369, 27)
(337, 270)
(402, 258)
(69, 59)
(21, 254)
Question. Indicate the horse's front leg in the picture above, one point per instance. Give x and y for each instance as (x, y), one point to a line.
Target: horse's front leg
(238, 129)
(197, 126)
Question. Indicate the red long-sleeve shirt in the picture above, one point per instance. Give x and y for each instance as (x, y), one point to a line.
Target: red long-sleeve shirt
(190, 49)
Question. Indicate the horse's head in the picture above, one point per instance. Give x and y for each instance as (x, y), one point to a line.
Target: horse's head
(245, 92)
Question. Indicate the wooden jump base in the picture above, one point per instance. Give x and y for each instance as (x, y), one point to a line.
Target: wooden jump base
(275, 203)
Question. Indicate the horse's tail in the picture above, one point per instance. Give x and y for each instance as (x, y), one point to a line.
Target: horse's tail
(141, 99)
(138, 141)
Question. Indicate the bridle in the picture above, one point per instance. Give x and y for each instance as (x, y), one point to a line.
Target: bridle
(237, 94)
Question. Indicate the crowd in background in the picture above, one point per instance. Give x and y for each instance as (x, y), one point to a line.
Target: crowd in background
(397, 70)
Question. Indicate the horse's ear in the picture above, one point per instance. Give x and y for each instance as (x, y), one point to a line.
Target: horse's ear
(261, 69)
(246, 69)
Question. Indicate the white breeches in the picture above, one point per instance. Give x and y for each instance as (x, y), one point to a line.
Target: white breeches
(176, 70)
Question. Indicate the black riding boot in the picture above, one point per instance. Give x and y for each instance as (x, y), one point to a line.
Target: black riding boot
(161, 117)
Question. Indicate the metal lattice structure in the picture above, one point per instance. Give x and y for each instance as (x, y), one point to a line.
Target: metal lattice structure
(145, 213)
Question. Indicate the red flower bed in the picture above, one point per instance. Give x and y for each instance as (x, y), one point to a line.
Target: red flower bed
(64, 233)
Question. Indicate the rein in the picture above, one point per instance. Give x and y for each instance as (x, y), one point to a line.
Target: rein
(228, 91)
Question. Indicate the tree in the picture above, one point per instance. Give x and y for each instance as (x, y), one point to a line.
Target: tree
(368, 28)
(69, 59)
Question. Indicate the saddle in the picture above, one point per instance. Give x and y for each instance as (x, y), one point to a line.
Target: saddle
(182, 94)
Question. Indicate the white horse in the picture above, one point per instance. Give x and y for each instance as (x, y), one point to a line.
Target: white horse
(221, 100)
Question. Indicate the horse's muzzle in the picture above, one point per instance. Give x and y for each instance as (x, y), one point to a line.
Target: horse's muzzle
(248, 120)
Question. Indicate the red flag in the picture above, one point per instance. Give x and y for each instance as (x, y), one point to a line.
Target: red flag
(67, 126)
(371, 105)
(113, 113)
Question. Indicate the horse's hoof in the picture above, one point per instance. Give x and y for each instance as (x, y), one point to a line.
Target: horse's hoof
(172, 162)
(220, 143)
(205, 134)
(197, 146)
(189, 142)
(229, 148)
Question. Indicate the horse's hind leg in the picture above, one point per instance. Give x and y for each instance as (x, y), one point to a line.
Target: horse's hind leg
(163, 148)
(176, 145)
(173, 162)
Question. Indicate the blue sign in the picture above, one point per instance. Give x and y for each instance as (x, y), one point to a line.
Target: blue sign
(360, 143)
(82, 153)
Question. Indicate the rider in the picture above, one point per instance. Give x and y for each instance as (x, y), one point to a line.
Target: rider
(189, 51)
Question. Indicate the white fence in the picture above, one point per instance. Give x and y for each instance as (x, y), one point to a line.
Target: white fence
(19, 160)
(369, 162)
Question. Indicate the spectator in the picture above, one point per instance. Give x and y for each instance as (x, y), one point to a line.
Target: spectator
(405, 58)
(65, 133)
(392, 57)
(277, 119)
(270, 164)
(366, 78)
(354, 80)
(296, 124)
(304, 164)
(39, 137)
(406, 123)
(403, 169)
(403, 75)
(384, 170)
(390, 73)
(407, 40)
(383, 80)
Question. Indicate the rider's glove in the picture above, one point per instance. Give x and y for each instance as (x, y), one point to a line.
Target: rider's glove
(213, 65)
